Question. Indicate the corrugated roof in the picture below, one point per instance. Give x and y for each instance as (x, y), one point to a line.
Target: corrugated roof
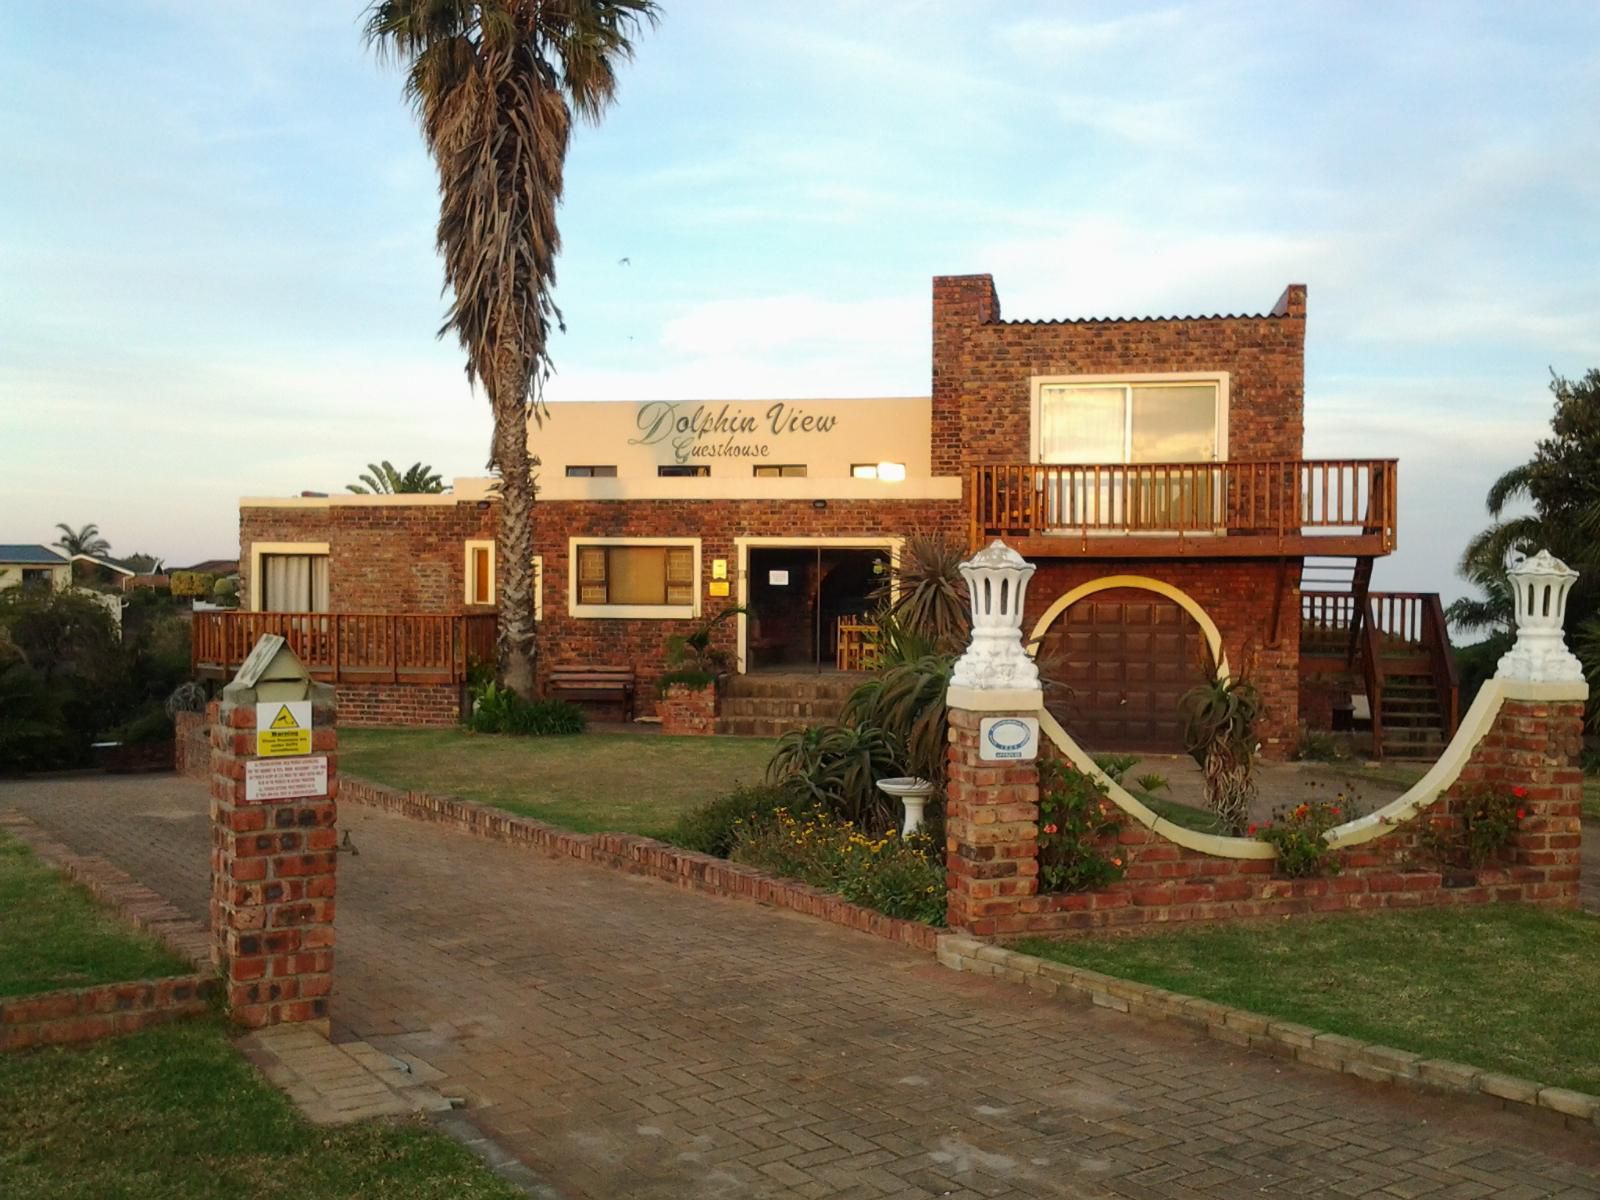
(42, 555)
(1144, 320)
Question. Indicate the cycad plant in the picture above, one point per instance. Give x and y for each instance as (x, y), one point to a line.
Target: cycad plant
(1219, 732)
(381, 479)
(923, 601)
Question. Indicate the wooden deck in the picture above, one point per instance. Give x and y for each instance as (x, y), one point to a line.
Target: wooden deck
(415, 648)
(1272, 508)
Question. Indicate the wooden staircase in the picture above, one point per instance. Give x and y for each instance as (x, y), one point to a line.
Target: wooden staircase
(770, 705)
(1394, 646)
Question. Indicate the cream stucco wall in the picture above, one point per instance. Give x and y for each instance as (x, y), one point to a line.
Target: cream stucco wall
(11, 574)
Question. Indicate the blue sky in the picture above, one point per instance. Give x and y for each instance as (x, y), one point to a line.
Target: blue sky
(216, 228)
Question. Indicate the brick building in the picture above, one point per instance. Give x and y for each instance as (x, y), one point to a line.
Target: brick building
(1152, 467)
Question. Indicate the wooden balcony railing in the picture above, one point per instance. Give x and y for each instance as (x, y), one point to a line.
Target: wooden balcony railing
(1260, 507)
(351, 647)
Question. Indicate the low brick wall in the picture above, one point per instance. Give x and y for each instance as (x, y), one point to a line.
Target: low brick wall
(638, 856)
(193, 756)
(686, 710)
(91, 1013)
(420, 706)
(1285, 1039)
(995, 870)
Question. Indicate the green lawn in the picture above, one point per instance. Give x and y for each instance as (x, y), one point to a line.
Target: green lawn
(176, 1111)
(53, 935)
(596, 782)
(1505, 988)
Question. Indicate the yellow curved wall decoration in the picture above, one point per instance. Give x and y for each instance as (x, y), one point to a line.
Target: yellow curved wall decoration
(1144, 583)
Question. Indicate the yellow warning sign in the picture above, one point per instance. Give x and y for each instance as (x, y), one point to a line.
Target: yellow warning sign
(283, 728)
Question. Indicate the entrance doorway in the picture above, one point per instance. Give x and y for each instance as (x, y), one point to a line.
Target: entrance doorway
(807, 604)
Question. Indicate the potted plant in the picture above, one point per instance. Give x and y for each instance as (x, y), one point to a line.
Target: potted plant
(687, 689)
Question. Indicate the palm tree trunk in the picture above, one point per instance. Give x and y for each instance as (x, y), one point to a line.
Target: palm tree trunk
(514, 545)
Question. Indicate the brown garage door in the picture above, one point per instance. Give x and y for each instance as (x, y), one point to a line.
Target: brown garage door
(1127, 660)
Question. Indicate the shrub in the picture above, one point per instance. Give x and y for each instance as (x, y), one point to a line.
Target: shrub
(837, 768)
(1153, 781)
(690, 677)
(1319, 746)
(1296, 833)
(501, 710)
(1075, 820)
(925, 597)
(711, 828)
(900, 877)
(1485, 821)
(148, 728)
(191, 583)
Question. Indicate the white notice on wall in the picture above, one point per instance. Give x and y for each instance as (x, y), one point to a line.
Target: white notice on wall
(1008, 739)
(285, 779)
(778, 578)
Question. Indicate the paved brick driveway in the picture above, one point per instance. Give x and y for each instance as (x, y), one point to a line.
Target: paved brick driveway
(630, 1040)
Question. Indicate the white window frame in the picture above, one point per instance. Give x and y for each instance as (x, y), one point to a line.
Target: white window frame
(258, 549)
(472, 546)
(538, 587)
(630, 612)
(1129, 380)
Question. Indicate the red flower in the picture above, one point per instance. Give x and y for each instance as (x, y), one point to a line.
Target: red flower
(1251, 831)
(1521, 813)
(1051, 829)
(1334, 810)
(1519, 792)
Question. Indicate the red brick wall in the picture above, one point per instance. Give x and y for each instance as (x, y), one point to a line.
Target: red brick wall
(982, 368)
(717, 523)
(1238, 595)
(689, 711)
(382, 558)
(420, 705)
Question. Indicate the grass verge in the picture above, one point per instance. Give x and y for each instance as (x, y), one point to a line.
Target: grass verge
(53, 935)
(1505, 988)
(592, 783)
(176, 1111)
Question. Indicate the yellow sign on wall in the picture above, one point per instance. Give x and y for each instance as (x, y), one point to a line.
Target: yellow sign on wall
(283, 728)
(719, 587)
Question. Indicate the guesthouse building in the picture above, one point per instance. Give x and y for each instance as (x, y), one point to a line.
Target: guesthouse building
(1152, 468)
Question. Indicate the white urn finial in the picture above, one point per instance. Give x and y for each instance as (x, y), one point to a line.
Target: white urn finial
(1539, 588)
(997, 581)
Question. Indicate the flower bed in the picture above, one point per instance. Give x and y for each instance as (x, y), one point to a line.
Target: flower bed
(898, 876)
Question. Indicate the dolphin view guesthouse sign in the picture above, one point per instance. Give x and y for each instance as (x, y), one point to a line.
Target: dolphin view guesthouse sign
(723, 431)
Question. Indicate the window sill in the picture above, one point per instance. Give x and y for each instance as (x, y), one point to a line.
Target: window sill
(634, 612)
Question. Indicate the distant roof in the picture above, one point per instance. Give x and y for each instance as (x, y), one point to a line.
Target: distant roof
(106, 561)
(30, 554)
(212, 566)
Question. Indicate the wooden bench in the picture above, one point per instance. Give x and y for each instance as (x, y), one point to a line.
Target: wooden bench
(591, 681)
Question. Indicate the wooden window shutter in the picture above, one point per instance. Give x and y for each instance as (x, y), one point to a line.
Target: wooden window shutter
(591, 574)
(680, 575)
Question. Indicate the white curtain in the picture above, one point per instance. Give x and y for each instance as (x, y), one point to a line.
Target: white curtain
(294, 582)
(1082, 424)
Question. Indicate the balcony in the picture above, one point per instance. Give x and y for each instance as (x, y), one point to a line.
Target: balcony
(1273, 508)
(414, 648)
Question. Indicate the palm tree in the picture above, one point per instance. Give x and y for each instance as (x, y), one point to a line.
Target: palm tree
(382, 479)
(495, 84)
(81, 541)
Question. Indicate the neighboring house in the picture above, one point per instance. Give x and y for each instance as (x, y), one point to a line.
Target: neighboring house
(33, 567)
(222, 568)
(1151, 467)
(103, 570)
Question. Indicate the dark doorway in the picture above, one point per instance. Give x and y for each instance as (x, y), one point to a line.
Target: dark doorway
(798, 598)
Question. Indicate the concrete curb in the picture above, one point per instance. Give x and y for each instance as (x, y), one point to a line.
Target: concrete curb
(1283, 1039)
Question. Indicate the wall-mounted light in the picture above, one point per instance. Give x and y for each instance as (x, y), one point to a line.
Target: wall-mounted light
(819, 504)
(892, 471)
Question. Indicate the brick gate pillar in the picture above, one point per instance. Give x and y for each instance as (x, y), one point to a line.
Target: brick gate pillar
(273, 836)
(992, 792)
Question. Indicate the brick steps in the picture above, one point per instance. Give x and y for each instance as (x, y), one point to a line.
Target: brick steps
(772, 705)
